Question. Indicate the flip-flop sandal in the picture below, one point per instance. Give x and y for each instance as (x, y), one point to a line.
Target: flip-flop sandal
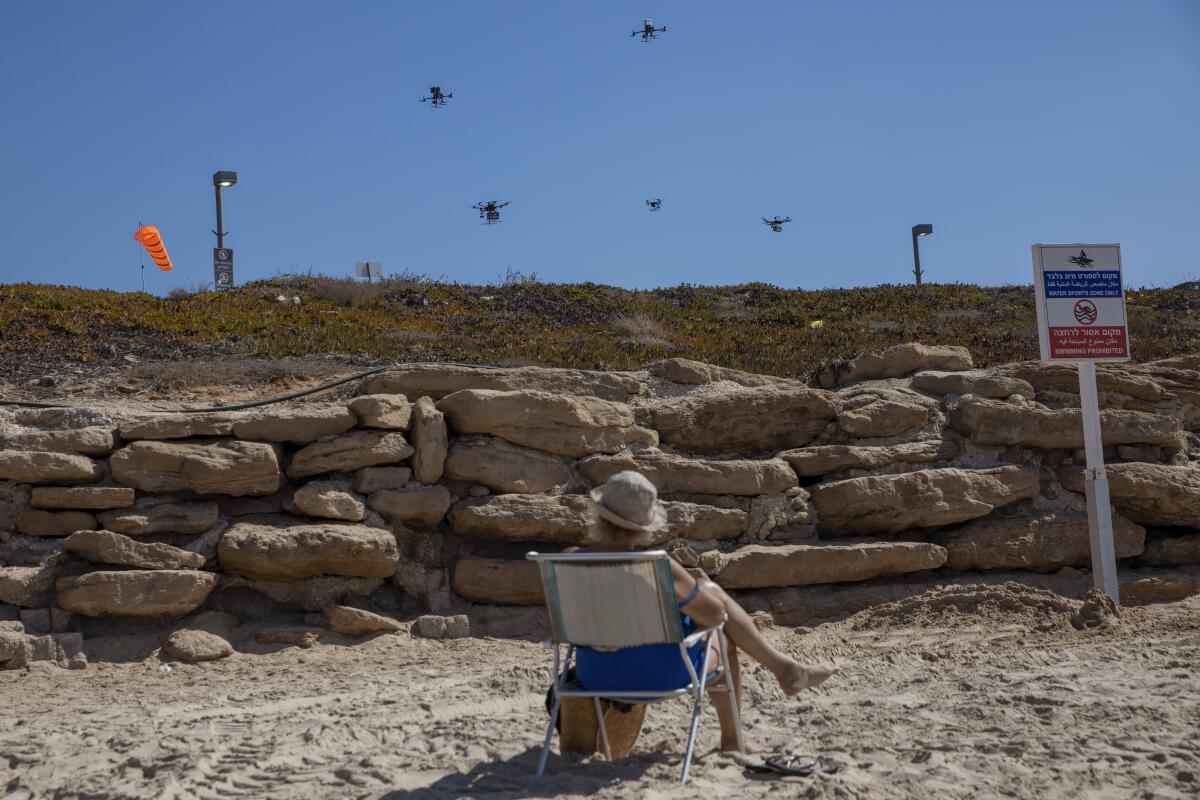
(799, 765)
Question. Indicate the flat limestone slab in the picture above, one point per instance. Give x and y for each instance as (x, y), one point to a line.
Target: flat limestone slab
(763, 566)
(216, 467)
(1172, 551)
(995, 422)
(161, 515)
(357, 622)
(695, 373)
(296, 424)
(178, 426)
(136, 593)
(92, 441)
(922, 499)
(106, 547)
(895, 362)
(349, 452)
(423, 506)
(53, 523)
(502, 581)
(701, 522)
(1143, 587)
(1039, 541)
(505, 467)
(524, 518)
(972, 382)
(564, 425)
(25, 466)
(822, 460)
(1151, 494)
(675, 474)
(387, 411)
(26, 586)
(745, 420)
(86, 498)
(565, 519)
(303, 551)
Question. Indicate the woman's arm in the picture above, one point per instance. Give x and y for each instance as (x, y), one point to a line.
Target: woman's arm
(706, 609)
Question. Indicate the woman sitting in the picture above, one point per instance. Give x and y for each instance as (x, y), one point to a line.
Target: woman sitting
(627, 514)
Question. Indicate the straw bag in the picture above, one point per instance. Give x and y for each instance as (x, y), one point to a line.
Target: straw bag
(579, 731)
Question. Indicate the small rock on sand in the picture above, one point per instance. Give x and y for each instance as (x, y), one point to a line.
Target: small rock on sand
(432, 626)
(192, 646)
(356, 622)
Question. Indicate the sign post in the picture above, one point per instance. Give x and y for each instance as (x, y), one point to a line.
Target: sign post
(222, 268)
(1080, 295)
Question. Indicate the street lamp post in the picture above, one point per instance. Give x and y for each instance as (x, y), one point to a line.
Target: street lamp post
(919, 232)
(221, 180)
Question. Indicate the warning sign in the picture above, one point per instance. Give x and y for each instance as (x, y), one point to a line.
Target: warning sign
(1080, 302)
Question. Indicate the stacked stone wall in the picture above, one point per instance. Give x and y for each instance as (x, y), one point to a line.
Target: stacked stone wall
(871, 482)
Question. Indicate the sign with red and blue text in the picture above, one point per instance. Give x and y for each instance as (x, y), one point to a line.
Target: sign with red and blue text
(1080, 295)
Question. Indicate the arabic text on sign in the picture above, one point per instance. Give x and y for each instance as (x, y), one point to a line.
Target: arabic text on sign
(1082, 283)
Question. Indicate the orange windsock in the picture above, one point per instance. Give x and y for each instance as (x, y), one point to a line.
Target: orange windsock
(148, 236)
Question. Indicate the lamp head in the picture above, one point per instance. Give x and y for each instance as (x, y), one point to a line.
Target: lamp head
(224, 178)
(925, 229)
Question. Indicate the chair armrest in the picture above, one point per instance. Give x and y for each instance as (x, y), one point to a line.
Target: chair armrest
(704, 633)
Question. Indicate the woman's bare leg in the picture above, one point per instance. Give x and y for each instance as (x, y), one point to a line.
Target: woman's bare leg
(741, 631)
(723, 703)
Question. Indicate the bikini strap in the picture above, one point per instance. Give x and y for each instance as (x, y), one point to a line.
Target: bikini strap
(691, 595)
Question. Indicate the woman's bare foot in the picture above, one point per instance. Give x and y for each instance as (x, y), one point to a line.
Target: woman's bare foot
(796, 677)
(730, 745)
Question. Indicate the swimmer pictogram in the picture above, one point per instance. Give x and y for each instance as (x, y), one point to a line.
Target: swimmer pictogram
(1085, 312)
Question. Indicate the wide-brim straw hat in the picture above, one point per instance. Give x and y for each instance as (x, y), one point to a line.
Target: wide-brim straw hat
(629, 500)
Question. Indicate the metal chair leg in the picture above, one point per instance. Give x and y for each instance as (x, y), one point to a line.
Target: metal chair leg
(698, 699)
(603, 728)
(560, 674)
(554, 707)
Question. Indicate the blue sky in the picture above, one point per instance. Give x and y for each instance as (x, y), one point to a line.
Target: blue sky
(1003, 124)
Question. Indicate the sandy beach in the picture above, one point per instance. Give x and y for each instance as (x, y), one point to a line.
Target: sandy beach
(991, 693)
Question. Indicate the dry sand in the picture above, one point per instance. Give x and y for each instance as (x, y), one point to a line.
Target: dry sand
(957, 694)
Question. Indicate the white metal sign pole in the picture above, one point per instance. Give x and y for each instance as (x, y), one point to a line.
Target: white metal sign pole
(1080, 295)
(1100, 527)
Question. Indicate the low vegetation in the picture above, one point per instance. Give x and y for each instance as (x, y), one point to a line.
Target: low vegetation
(754, 326)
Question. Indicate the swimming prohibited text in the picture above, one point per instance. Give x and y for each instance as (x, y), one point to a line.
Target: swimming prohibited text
(1080, 302)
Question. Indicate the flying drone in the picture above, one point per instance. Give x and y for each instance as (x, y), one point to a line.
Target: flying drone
(490, 211)
(776, 223)
(436, 97)
(654, 204)
(648, 30)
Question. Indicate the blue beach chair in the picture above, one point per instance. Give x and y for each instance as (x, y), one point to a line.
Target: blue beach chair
(615, 600)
